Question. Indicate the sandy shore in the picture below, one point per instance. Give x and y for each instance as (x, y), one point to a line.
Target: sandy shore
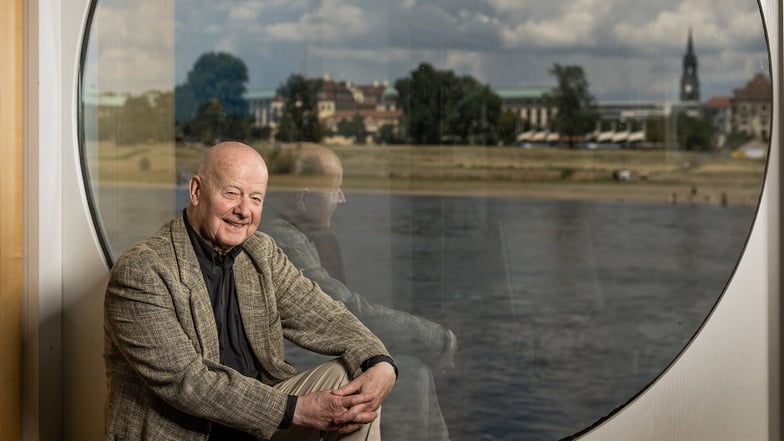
(660, 176)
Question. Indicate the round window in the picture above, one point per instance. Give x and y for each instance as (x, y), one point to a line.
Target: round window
(538, 203)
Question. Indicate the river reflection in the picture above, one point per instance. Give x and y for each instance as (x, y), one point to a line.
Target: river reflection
(564, 310)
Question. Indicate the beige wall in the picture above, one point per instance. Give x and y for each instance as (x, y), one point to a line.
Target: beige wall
(10, 219)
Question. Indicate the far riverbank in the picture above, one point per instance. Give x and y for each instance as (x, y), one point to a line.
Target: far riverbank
(657, 176)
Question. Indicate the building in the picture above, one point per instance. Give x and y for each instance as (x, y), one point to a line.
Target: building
(718, 111)
(690, 81)
(751, 108)
(624, 123)
(530, 103)
(375, 104)
(264, 106)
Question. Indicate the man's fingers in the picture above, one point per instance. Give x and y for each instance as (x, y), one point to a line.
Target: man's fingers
(349, 401)
(352, 415)
(358, 420)
(348, 389)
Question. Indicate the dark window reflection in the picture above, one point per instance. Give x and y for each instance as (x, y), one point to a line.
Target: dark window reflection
(535, 206)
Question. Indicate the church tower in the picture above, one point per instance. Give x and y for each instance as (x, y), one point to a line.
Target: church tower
(690, 83)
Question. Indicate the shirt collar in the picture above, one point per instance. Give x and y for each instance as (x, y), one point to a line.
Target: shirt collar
(207, 256)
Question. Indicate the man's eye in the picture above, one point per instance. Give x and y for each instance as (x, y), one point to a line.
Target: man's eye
(232, 194)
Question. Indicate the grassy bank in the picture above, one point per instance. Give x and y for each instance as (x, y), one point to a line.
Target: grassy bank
(654, 175)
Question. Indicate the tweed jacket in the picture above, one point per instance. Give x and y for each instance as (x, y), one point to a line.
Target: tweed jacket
(401, 332)
(161, 345)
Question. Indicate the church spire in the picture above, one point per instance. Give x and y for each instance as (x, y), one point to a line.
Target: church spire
(690, 82)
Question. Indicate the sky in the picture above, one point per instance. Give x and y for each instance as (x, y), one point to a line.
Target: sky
(629, 49)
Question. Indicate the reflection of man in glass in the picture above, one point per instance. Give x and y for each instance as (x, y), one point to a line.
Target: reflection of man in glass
(297, 220)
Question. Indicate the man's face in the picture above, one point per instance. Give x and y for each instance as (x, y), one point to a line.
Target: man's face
(320, 207)
(320, 204)
(227, 204)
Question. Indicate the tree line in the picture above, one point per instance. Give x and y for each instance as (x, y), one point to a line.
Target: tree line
(438, 107)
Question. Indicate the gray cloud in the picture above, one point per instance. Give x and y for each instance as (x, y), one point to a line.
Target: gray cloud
(630, 49)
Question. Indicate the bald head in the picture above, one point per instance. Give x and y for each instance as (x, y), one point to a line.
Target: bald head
(319, 175)
(226, 195)
(228, 155)
(318, 167)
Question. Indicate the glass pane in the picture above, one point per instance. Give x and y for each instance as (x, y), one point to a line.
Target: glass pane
(566, 187)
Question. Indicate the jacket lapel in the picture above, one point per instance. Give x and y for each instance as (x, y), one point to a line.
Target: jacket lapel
(251, 302)
(192, 278)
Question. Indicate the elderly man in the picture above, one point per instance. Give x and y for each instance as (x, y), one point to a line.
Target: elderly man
(195, 320)
(298, 218)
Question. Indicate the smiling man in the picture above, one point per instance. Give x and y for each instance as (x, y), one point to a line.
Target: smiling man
(195, 319)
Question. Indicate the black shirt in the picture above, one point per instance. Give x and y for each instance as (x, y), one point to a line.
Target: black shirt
(235, 350)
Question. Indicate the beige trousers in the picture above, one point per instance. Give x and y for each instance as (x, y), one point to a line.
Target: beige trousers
(329, 375)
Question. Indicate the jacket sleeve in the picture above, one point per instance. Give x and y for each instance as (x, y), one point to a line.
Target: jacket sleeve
(313, 320)
(147, 313)
(401, 332)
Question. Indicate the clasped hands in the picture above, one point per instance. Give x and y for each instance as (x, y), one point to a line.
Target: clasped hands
(347, 408)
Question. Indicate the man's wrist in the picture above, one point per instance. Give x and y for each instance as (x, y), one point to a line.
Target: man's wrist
(288, 414)
(372, 361)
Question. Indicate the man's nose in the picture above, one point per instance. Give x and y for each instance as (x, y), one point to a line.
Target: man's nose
(243, 207)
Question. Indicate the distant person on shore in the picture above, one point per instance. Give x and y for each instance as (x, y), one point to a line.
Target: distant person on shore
(299, 220)
(195, 319)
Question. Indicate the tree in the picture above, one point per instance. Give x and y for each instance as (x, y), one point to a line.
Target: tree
(220, 76)
(576, 112)
(216, 77)
(656, 130)
(440, 107)
(163, 110)
(693, 133)
(145, 118)
(299, 119)
(475, 115)
(388, 134)
(352, 128)
(420, 96)
(132, 128)
(509, 125)
(185, 105)
(212, 125)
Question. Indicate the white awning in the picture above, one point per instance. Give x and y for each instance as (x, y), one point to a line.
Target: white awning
(637, 136)
(620, 137)
(606, 136)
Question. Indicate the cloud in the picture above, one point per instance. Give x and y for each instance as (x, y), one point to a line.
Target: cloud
(131, 48)
(717, 25)
(629, 44)
(333, 20)
(576, 25)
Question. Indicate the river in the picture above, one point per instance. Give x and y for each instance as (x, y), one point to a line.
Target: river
(564, 310)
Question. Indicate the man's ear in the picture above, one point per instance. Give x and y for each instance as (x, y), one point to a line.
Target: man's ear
(194, 187)
(300, 199)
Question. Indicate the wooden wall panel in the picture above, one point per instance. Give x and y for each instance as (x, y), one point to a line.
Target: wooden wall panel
(11, 299)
